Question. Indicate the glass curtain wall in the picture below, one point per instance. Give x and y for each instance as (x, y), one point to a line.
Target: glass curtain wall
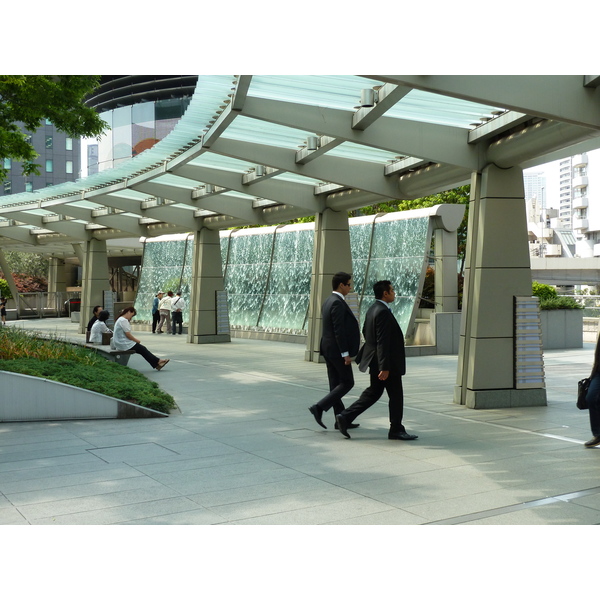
(267, 270)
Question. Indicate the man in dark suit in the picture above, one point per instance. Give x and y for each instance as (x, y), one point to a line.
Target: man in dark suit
(339, 343)
(383, 353)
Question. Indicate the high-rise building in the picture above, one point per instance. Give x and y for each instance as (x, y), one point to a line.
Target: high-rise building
(565, 192)
(58, 157)
(140, 110)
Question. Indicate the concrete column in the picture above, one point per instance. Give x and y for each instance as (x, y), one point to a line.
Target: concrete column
(57, 280)
(94, 280)
(331, 254)
(207, 279)
(497, 269)
(57, 283)
(446, 275)
(8, 277)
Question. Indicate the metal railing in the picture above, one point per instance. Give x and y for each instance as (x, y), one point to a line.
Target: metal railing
(37, 305)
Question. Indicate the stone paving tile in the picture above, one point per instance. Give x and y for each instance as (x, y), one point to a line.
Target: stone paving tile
(134, 513)
(74, 506)
(250, 493)
(82, 490)
(11, 516)
(394, 516)
(467, 504)
(107, 473)
(206, 480)
(200, 516)
(559, 513)
(285, 503)
(183, 464)
(134, 453)
(22, 466)
(319, 515)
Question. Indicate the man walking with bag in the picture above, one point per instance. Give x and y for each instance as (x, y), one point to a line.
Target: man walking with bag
(383, 354)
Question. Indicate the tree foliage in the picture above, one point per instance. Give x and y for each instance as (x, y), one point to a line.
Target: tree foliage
(29, 99)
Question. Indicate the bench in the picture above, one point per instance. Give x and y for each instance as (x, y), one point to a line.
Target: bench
(118, 356)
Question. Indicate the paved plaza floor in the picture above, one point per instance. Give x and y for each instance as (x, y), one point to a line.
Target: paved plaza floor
(244, 450)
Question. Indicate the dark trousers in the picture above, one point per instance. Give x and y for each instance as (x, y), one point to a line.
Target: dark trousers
(593, 399)
(393, 386)
(341, 381)
(143, 351)
(155, 320)
(177, 319)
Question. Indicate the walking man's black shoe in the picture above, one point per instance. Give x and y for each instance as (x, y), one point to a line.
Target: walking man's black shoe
(401, 435)
(317, 413)
(342, 425)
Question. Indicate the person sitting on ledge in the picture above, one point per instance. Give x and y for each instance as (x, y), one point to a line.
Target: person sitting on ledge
(99, 327)
(96, 311)
(124, 340)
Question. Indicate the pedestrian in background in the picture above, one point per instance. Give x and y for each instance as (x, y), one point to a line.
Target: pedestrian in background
(155, 310)
(177, 306)
(164, 306)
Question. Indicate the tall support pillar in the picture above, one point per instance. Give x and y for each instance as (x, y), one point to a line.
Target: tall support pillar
(57, 280)
(207, 279)
(8, 276)
(331, 254)
(497, 270)
(57, 283)
(94, 279)
(446, 275)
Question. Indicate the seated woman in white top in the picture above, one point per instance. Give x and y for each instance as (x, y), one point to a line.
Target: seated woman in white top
(99, 327)
(123, 339)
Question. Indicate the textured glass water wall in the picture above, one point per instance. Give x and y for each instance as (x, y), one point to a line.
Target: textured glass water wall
(166, 265)
(267, 270)
(267, 277)
(397, 250)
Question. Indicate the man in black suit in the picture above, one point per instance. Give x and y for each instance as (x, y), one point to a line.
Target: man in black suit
(339, 343)
(383, 353)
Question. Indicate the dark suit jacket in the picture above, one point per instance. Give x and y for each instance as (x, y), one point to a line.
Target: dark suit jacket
(341, 332)
(384, 341)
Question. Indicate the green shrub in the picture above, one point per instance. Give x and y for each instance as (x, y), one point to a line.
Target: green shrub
(80, 367)
(4, 289)
(543, 291)
(105, 377)
(559, 302)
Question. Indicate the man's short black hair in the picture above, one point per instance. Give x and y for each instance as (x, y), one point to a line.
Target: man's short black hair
(381, 286)
(103, 315)
(340, 277)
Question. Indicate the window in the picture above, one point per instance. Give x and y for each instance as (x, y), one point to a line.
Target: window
(69, 143)
(7, 187)
(48, 141)
(28, 186)
(48, 122)
(69, 166)
(7, 163)
(49, 166)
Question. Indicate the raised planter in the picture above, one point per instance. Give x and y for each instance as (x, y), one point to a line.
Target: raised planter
(562, 329)
(26, 398)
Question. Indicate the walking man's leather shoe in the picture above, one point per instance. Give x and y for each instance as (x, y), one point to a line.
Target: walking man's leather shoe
(317, 413)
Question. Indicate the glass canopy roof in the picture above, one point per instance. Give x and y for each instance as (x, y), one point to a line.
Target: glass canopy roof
(235, 135)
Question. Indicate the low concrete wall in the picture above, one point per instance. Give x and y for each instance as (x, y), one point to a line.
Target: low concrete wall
(561, 329)
(26, 398)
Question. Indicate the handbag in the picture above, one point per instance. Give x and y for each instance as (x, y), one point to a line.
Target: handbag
(582, 390)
